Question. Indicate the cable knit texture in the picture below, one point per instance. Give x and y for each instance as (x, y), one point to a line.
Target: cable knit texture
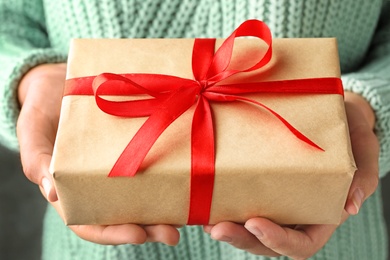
(36, 32)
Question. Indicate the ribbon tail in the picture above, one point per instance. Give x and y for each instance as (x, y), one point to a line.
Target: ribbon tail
(293, 130)
(203, 164)
(134, 154)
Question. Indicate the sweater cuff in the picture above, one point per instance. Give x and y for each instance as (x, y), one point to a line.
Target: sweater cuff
(376, 91)
(9, 105)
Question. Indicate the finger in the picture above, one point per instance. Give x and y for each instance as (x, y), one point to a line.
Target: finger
(366, 178)
(35, 150)
(207, 228)
(299, 243)
(365, 149)
(36, 168)
(239, 237)
(36, 130)
(111, 235)
(166, 234)
(39, 93)
(123, 234)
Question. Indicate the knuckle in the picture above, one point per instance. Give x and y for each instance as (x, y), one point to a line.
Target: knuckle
(304, 256)
(243, 246)
(30, 172)
(371, 182)
(277, 244)
(32, 166)
(374, 182)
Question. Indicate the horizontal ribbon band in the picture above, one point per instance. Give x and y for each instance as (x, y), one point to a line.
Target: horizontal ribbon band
(170, 96)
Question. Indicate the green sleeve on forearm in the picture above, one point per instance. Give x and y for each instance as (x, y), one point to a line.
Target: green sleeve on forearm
(23, 45)
(372, 81)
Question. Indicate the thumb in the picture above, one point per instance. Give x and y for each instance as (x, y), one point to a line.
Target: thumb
(36, 151)
(365, 148)
(46, 184)
(40, 94)
(366, 178)
(36, 169)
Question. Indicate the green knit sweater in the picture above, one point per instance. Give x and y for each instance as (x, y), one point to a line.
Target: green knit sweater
(36, 32)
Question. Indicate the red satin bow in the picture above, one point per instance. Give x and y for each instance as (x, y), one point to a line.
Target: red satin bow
(172, 96)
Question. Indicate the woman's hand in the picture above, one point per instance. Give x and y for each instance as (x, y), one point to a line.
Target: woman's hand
(263, 237)
(40, 95)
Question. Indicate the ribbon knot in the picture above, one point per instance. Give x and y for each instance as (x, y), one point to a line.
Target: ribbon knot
(170, 97)
(204, 84)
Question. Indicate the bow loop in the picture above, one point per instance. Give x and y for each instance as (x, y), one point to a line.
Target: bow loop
(222, 58)
(129, 108)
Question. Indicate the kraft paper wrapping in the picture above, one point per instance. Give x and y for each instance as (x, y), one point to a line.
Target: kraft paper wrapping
(261, 168)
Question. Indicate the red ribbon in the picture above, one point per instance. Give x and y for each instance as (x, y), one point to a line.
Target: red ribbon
(172, 96)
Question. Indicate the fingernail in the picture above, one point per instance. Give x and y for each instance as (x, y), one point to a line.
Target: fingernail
(255, 231)
(46, 184)
(207, 228)
(225, 239)
(357, 199)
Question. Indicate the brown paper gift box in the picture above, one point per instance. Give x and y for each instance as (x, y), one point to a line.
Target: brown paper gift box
(261, 168)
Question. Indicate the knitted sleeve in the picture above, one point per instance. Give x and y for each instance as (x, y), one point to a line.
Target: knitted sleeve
(23, 45)
(372, 81)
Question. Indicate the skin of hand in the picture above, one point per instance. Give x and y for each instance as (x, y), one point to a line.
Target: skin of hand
(263, 237)
(40, 94)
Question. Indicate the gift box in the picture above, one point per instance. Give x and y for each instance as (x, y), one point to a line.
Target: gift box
(255, 135)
